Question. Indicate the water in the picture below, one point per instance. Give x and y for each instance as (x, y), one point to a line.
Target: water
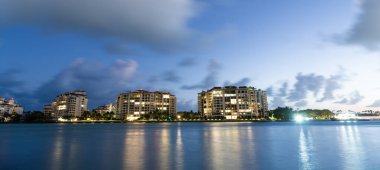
(278, 145)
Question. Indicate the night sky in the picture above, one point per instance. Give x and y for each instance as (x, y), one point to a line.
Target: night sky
(306, 54)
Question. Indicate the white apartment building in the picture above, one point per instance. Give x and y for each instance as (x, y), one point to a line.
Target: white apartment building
(232, 102)
(131, 105)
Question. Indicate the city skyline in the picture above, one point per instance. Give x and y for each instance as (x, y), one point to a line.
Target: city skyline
(303, 57)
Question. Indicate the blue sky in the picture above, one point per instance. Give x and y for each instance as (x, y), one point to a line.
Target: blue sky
(307, 54)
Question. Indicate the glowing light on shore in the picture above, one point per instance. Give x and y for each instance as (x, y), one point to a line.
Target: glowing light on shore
(299, 118)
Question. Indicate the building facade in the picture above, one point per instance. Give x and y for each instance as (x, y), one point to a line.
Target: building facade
(68, 104)
(10, 106)
(132, 105)
(108, 108)
(262, 102)
(232, 102)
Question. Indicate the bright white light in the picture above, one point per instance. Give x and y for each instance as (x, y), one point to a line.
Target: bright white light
(299, 118)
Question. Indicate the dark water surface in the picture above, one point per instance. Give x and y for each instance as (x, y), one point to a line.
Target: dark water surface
(278, 145)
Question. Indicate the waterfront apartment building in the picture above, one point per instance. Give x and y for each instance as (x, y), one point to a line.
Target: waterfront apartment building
(262, 102)
(10, 106)
(132, 105)
(68, 104)
(232, 102)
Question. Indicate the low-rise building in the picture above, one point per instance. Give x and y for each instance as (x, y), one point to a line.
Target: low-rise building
(10, 106)
(132, 105)
(108, 108)
(232, 102)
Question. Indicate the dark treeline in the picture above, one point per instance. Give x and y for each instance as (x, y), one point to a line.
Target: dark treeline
(287, 113)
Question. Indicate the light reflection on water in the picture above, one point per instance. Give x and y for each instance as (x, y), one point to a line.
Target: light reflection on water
(318, 145)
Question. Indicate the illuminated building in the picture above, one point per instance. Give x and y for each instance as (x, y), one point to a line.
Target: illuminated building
(68, 104)
(131, 105)
(232, 102)
(10, 106)
(262, 102)
(108, 108)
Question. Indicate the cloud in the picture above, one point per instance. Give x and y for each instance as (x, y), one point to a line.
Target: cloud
(283, 91)
(319, 85)
(145, 22)
(277, 102)
(332, 84)
(186, 105)
(375, 104)
(171, 76)
(11, 87)
(188, 62)
(354, 98)
(269, 91)
(242, 82)
(365, 31)
(211, 78)
(301, 103)
(102, 82)
(304, 84)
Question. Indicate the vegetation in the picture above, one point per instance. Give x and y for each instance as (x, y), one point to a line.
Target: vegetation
(98, 116)
(278, 114)
(158, 115)
(287, 113)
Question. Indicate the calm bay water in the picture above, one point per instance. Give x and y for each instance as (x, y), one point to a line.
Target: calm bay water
(278, 145)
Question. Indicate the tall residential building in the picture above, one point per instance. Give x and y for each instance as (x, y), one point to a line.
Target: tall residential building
(262, 102)
(10, 106)
(232, 102)
(131, 105)
(68, 104)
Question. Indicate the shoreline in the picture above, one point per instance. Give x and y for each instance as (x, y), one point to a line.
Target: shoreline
(181, 121)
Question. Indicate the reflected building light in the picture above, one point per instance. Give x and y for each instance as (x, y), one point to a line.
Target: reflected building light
(57, 151)
(134, 144)
(351, 147)
(164, 149)
(305, 150)
(179, 151)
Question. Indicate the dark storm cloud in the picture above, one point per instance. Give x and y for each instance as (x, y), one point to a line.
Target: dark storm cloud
(102, 82)
(211, 78)
(304, 84)
(242, 82)
(354, 98)
(375, 104)
(159, 24)
(365, 31)
(188, 62)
